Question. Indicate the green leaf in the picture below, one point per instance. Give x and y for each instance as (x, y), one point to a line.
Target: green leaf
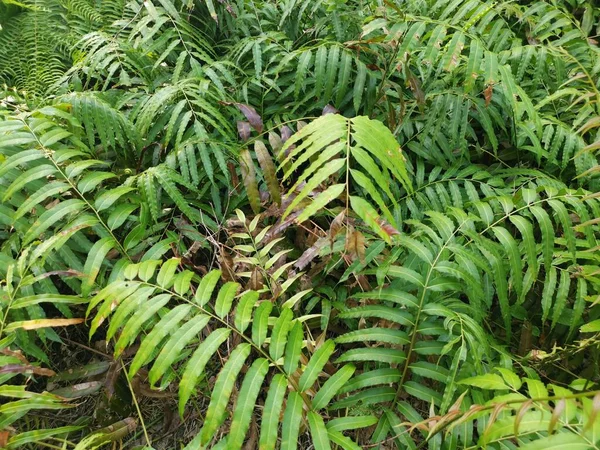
(26, 302)
(120, 214)
(359, 84)
(133, 326)
(560, 441)
(292, 419)
(19, 159)
(384, 355)
(225, 298)
(166, 275)
(344, 442)
(174, 346)
(34, 200)
(376, 334)
(271, 413)
(34, 436)
(106, 199)
(195, 366)
(591, 327)
(547, 234)
(304, 62)
(315, 365)
(320, 201)
(221, 392)
(280, 333)
(320, 176)
(94, 261)
(260, 323)
(351, 423)
(206, 287)
(159, 331)
(332, 386)
(320, 69)
(318, 431)
(293, 348)
(548, 291)
(487, 381)
(246, 400)
(52, 216)
(243, 312)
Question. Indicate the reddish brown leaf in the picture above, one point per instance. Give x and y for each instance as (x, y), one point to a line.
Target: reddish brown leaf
(269, 171)
(415, 87)
(250, 113)
(329, 110)
(487, 94)
(26, 369)
(4, 434)
(243, 129)
(249, 178)
(111, 378)
(389, 229)
(286, 133)
(233, 174)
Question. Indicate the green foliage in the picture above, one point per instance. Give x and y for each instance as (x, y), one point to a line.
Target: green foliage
(330, 224)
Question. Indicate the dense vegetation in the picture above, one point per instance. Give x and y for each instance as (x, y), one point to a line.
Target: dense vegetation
(299, 224)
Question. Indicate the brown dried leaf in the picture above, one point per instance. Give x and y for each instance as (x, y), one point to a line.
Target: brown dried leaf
(556, 412)
(355, 244)
(226, 265)
(495, 412)
(520, 414)
(117, 430)
(336, 226)
(310, 254)
(235, 181)
(256, 280)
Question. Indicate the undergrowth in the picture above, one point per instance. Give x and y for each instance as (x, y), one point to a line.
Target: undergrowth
(296, 224)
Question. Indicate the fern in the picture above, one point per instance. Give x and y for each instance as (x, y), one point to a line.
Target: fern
(275, 352)
(415, 268)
